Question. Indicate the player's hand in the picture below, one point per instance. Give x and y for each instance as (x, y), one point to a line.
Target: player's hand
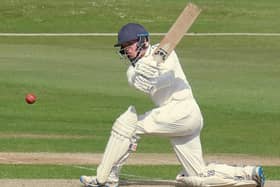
(151, 85)
(147, 67)
(143, 84)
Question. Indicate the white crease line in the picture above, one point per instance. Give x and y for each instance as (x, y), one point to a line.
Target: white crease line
(122, 174)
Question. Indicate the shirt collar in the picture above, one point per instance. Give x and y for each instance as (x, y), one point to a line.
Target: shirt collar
(148, 51)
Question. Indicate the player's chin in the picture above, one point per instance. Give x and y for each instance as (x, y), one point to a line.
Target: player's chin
(130, 56)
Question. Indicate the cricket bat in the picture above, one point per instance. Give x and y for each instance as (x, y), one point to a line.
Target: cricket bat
(176, 32)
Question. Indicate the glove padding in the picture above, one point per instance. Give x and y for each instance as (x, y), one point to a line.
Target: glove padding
(147, 67)
(151, 85)
(143, 84)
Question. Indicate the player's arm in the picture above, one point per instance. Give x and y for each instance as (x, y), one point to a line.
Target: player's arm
(151, 76)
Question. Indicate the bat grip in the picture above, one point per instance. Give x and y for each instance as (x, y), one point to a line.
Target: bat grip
(160, 55)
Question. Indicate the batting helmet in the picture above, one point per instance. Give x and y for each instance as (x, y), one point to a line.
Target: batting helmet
(130, 32)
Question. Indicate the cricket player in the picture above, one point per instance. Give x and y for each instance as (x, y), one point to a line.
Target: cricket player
(176, 115)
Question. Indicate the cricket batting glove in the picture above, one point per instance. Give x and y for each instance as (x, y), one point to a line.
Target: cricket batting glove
(143, 84)
(151, 85)
(147, 67)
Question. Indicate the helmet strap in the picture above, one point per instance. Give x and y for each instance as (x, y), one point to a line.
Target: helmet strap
(141, 45)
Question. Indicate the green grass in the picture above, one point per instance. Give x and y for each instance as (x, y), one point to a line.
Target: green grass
(157, 15)
(82, 88)
(74, 171)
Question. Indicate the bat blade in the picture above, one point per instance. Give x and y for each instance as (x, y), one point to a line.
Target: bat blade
(176, 32)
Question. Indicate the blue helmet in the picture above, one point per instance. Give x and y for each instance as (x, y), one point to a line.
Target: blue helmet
(130, 32)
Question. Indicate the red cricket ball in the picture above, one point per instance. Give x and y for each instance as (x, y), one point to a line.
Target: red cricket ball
(30, 98)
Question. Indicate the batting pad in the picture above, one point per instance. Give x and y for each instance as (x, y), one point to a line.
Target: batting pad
(118, 146)
(214, 181)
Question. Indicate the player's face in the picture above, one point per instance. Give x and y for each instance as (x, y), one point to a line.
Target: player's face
(130, 49)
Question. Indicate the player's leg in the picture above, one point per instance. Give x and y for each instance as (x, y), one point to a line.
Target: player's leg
(119, 146)
(213, 181)
(197, 174)
(215, 174)
(114, 174)
(189, 153)
(183, 126)
(184, 133)
(218, 179)
(254, 173)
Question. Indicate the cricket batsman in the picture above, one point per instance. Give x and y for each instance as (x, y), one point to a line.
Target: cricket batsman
(176, 115)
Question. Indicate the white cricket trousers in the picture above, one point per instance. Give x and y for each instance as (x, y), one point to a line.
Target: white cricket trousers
(181, 121)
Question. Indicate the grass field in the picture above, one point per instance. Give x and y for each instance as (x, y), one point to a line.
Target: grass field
(70, 172)
(81, 83)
